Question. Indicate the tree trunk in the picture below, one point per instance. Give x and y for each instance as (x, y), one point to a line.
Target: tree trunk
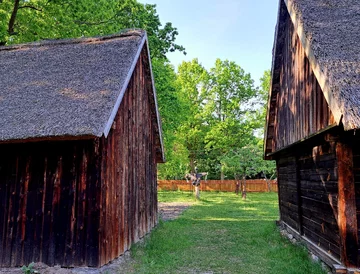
(197, 192)
(243, 193)
(192, 164)
(267, 182)
(237, 186)
(222, 176)
(13, 17)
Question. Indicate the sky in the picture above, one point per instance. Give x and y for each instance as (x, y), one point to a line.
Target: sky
(237, 30)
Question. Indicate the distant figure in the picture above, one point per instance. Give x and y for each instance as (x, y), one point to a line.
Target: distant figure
(195, 177)
(195, 180)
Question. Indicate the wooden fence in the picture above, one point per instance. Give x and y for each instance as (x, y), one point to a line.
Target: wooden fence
(217, 185)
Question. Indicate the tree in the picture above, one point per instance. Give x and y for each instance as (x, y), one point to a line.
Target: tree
(192, 78)
(31, 20)
(264, 93)
(172, 109)
(247, 161)
(227, 108)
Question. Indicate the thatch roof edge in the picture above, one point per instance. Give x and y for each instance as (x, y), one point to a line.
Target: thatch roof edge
(113, 113)
(110, 121)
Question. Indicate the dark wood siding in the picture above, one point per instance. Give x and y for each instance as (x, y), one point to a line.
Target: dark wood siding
(129, 204)
(356, 155)
(287, 189)
(308, 192)
(299, 108)
(48, 203)
(319, 197)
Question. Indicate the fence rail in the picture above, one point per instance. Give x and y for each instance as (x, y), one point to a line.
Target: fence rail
(218, 185)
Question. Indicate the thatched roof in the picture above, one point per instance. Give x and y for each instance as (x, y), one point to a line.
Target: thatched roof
(66, 87)
(329, 31)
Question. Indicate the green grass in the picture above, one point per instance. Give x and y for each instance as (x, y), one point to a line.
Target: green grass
(222, 234)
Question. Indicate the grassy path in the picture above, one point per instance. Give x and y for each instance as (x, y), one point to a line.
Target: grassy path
(222, 234)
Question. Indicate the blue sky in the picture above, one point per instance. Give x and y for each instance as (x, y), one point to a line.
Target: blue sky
(237, 30)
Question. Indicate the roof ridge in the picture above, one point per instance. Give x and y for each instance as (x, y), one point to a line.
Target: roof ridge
(68, 41)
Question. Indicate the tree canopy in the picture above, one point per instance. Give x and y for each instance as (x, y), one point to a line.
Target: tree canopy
(31, 20)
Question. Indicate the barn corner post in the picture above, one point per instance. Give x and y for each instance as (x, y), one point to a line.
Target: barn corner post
(347, 217)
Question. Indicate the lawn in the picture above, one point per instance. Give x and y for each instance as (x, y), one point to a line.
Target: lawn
(222, 234)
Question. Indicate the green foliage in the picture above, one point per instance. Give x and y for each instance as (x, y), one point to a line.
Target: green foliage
(29, 269)
(265, 85)
(44, 19)
(192, 77)
(172, 109)
(263, 94)
(247, 161)
(221, 116)
(222, 234)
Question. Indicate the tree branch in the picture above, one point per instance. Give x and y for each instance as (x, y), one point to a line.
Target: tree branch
(30, 7)
(95, 23)
(13, 17)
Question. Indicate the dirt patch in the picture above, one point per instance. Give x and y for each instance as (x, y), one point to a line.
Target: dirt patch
(123, 264)
(170, 211)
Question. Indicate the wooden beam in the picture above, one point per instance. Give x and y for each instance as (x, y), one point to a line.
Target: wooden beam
(298, 193)
(291, 146)
(347, 219)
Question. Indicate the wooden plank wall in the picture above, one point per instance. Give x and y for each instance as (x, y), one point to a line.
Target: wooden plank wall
(356, 156)
(48, 203)
(308, 192)
(301, 108)
(129, 195)
(319, 193)
(287, 189)
(217, 185)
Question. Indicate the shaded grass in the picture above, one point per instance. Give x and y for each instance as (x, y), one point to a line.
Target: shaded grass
(176, 196)
(222, 234)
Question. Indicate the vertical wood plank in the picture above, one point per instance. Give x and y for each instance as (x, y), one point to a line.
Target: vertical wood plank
(92, 203)
(16, 199)
(55, 216)
(47, 241)
(71, 209)
(8, 211)
(102, 226)
(81, 209)
(38, 192)
(347, 219)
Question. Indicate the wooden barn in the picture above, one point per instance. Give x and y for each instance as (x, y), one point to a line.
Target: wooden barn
(312, 121)
(80, 139)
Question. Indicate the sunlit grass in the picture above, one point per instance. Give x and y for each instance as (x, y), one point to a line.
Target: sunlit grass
(222, 234)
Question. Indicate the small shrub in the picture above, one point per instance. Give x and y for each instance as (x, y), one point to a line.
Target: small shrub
(29, 269)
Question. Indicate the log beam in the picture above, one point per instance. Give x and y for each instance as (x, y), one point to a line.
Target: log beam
(347, 220)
